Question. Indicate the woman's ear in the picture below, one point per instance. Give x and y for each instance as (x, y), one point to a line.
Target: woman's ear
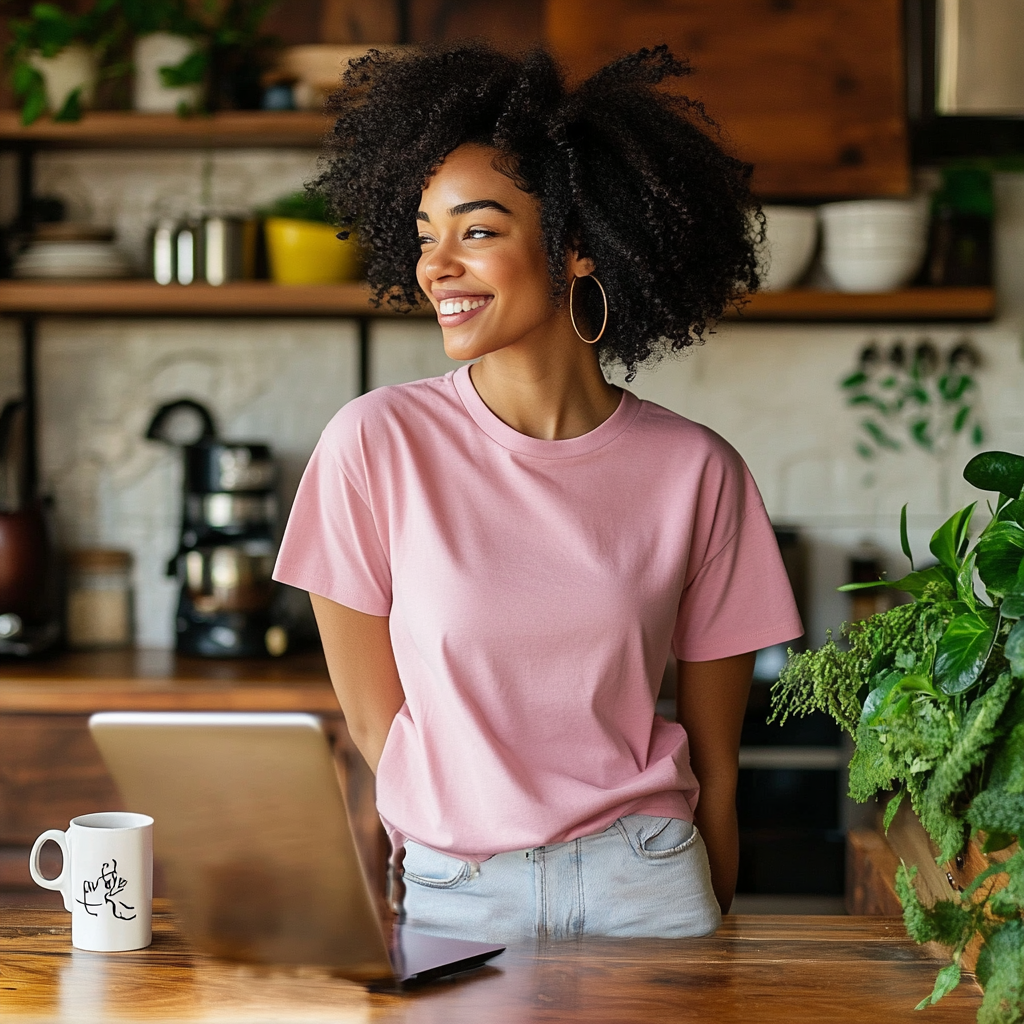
(580, 267)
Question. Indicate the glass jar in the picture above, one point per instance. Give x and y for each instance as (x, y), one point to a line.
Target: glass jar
(99, 608)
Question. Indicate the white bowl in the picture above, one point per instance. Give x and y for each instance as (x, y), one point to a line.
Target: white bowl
(874, 221)
(878, 272)
(874, 245)
(791, 233)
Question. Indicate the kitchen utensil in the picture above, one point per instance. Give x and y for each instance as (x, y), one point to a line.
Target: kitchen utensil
(188, 252)
(230, 578)
(307, 252)
(212, 465)
(229, 249)
(106, 879)
(226, 554)
(164, 252)
(791, 234)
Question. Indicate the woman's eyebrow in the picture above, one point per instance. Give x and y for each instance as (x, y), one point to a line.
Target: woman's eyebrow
(476, 204)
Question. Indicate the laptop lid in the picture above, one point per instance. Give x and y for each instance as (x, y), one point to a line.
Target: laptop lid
(252, 833)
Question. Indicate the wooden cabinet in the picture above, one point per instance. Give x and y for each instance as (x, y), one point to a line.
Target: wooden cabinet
(809, 91)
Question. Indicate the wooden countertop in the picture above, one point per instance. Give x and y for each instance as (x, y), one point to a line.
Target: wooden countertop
(796, 970)
(156, 680)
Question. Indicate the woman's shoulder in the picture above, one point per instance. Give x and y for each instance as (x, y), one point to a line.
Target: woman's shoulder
(674, 436)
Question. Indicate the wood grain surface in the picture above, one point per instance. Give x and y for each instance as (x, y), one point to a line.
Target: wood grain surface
(809, 91)
(765, 969)
(132, 129)
(156, 680)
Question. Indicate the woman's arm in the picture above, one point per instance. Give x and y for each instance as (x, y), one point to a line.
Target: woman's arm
(711, 698)
(363, 671)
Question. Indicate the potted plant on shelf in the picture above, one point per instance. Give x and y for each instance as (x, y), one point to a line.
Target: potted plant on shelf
(303, 247)
(933, 694)
(168, 57)
(57, 58)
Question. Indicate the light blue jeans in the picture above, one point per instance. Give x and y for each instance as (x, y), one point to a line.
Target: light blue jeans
(642, 877)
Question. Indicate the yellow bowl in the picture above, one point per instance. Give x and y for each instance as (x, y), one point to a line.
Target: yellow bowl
(307, 252)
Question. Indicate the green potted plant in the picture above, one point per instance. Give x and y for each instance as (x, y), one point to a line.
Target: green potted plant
(933, 693)
(168, 57)
(302, 245)
(57, 58)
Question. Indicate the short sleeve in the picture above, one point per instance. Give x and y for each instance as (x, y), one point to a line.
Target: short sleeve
(740, 599)
(332, 545)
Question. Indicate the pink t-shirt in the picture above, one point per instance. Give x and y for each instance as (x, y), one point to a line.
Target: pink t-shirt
(534, 590)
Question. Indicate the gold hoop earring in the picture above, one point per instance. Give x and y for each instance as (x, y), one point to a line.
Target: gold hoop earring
(572, 316)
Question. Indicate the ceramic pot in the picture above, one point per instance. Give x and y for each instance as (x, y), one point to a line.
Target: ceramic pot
(73, 68)
(159, 50)
(307, 252)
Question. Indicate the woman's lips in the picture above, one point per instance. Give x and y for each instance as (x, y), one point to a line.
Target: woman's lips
(454, 319)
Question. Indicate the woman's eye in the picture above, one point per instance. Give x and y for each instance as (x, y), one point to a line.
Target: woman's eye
(480, 233)
(423, 239)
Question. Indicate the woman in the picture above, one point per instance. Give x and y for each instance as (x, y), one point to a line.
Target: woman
(501, 560)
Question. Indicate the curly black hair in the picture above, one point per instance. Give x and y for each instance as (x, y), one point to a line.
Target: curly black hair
(626, 174)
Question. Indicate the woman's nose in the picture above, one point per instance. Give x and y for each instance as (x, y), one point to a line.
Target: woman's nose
(440, 262)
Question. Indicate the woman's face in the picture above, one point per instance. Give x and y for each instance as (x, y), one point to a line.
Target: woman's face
(483, 264)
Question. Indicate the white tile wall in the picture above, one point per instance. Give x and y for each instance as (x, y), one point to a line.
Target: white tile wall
(770, 390)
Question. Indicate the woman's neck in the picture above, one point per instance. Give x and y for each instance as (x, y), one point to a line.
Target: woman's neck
(559, 395)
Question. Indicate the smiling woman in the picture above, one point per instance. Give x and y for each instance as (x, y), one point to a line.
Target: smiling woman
(502, 560)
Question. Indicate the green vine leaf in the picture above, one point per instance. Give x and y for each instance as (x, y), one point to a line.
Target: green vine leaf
(949, 542)
(904, 538)
(997, 471)
(891, 808)
(963, 651)
(1014, 650)
(947, 980)
(1000, 551)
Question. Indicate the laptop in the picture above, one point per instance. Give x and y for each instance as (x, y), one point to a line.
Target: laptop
(255, 843)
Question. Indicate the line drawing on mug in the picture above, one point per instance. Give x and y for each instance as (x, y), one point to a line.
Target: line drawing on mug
(112, 885)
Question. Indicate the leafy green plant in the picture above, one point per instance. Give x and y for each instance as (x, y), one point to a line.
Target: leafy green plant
(917, 397)
(933, 694)
(49, 29)
(298, 206)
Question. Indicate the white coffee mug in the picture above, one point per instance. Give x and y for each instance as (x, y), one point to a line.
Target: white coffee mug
(106, 879)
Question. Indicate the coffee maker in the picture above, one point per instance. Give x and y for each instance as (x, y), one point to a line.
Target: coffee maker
(227, 550)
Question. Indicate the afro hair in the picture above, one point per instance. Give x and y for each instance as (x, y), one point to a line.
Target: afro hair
(627, 174)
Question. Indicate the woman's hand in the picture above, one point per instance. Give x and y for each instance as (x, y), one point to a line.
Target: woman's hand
(711, 698)
(363, 671)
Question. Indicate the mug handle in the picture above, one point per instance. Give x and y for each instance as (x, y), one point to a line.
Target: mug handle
(62, 883)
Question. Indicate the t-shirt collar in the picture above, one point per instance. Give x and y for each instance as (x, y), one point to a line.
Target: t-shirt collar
(513, 440)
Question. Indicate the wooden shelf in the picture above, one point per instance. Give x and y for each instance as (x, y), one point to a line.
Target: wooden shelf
(114, 129)
(146, 298)
(262, 298)
(909, 304)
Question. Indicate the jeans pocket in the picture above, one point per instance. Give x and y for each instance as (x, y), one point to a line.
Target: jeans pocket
(655, 838)
(426, 867)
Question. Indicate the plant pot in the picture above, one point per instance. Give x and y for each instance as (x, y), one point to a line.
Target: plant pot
(73, 68)
(911, 843)
(159, 50)
(307, 252)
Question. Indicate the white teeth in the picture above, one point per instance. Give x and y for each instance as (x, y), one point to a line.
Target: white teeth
(449, 307)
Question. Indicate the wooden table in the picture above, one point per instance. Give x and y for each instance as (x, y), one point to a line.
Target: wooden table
(756, 969)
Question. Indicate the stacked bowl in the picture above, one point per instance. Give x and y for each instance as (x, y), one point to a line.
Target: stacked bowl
(791, 236)
(874, 245)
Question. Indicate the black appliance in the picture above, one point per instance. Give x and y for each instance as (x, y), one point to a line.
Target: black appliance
(226, 604)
